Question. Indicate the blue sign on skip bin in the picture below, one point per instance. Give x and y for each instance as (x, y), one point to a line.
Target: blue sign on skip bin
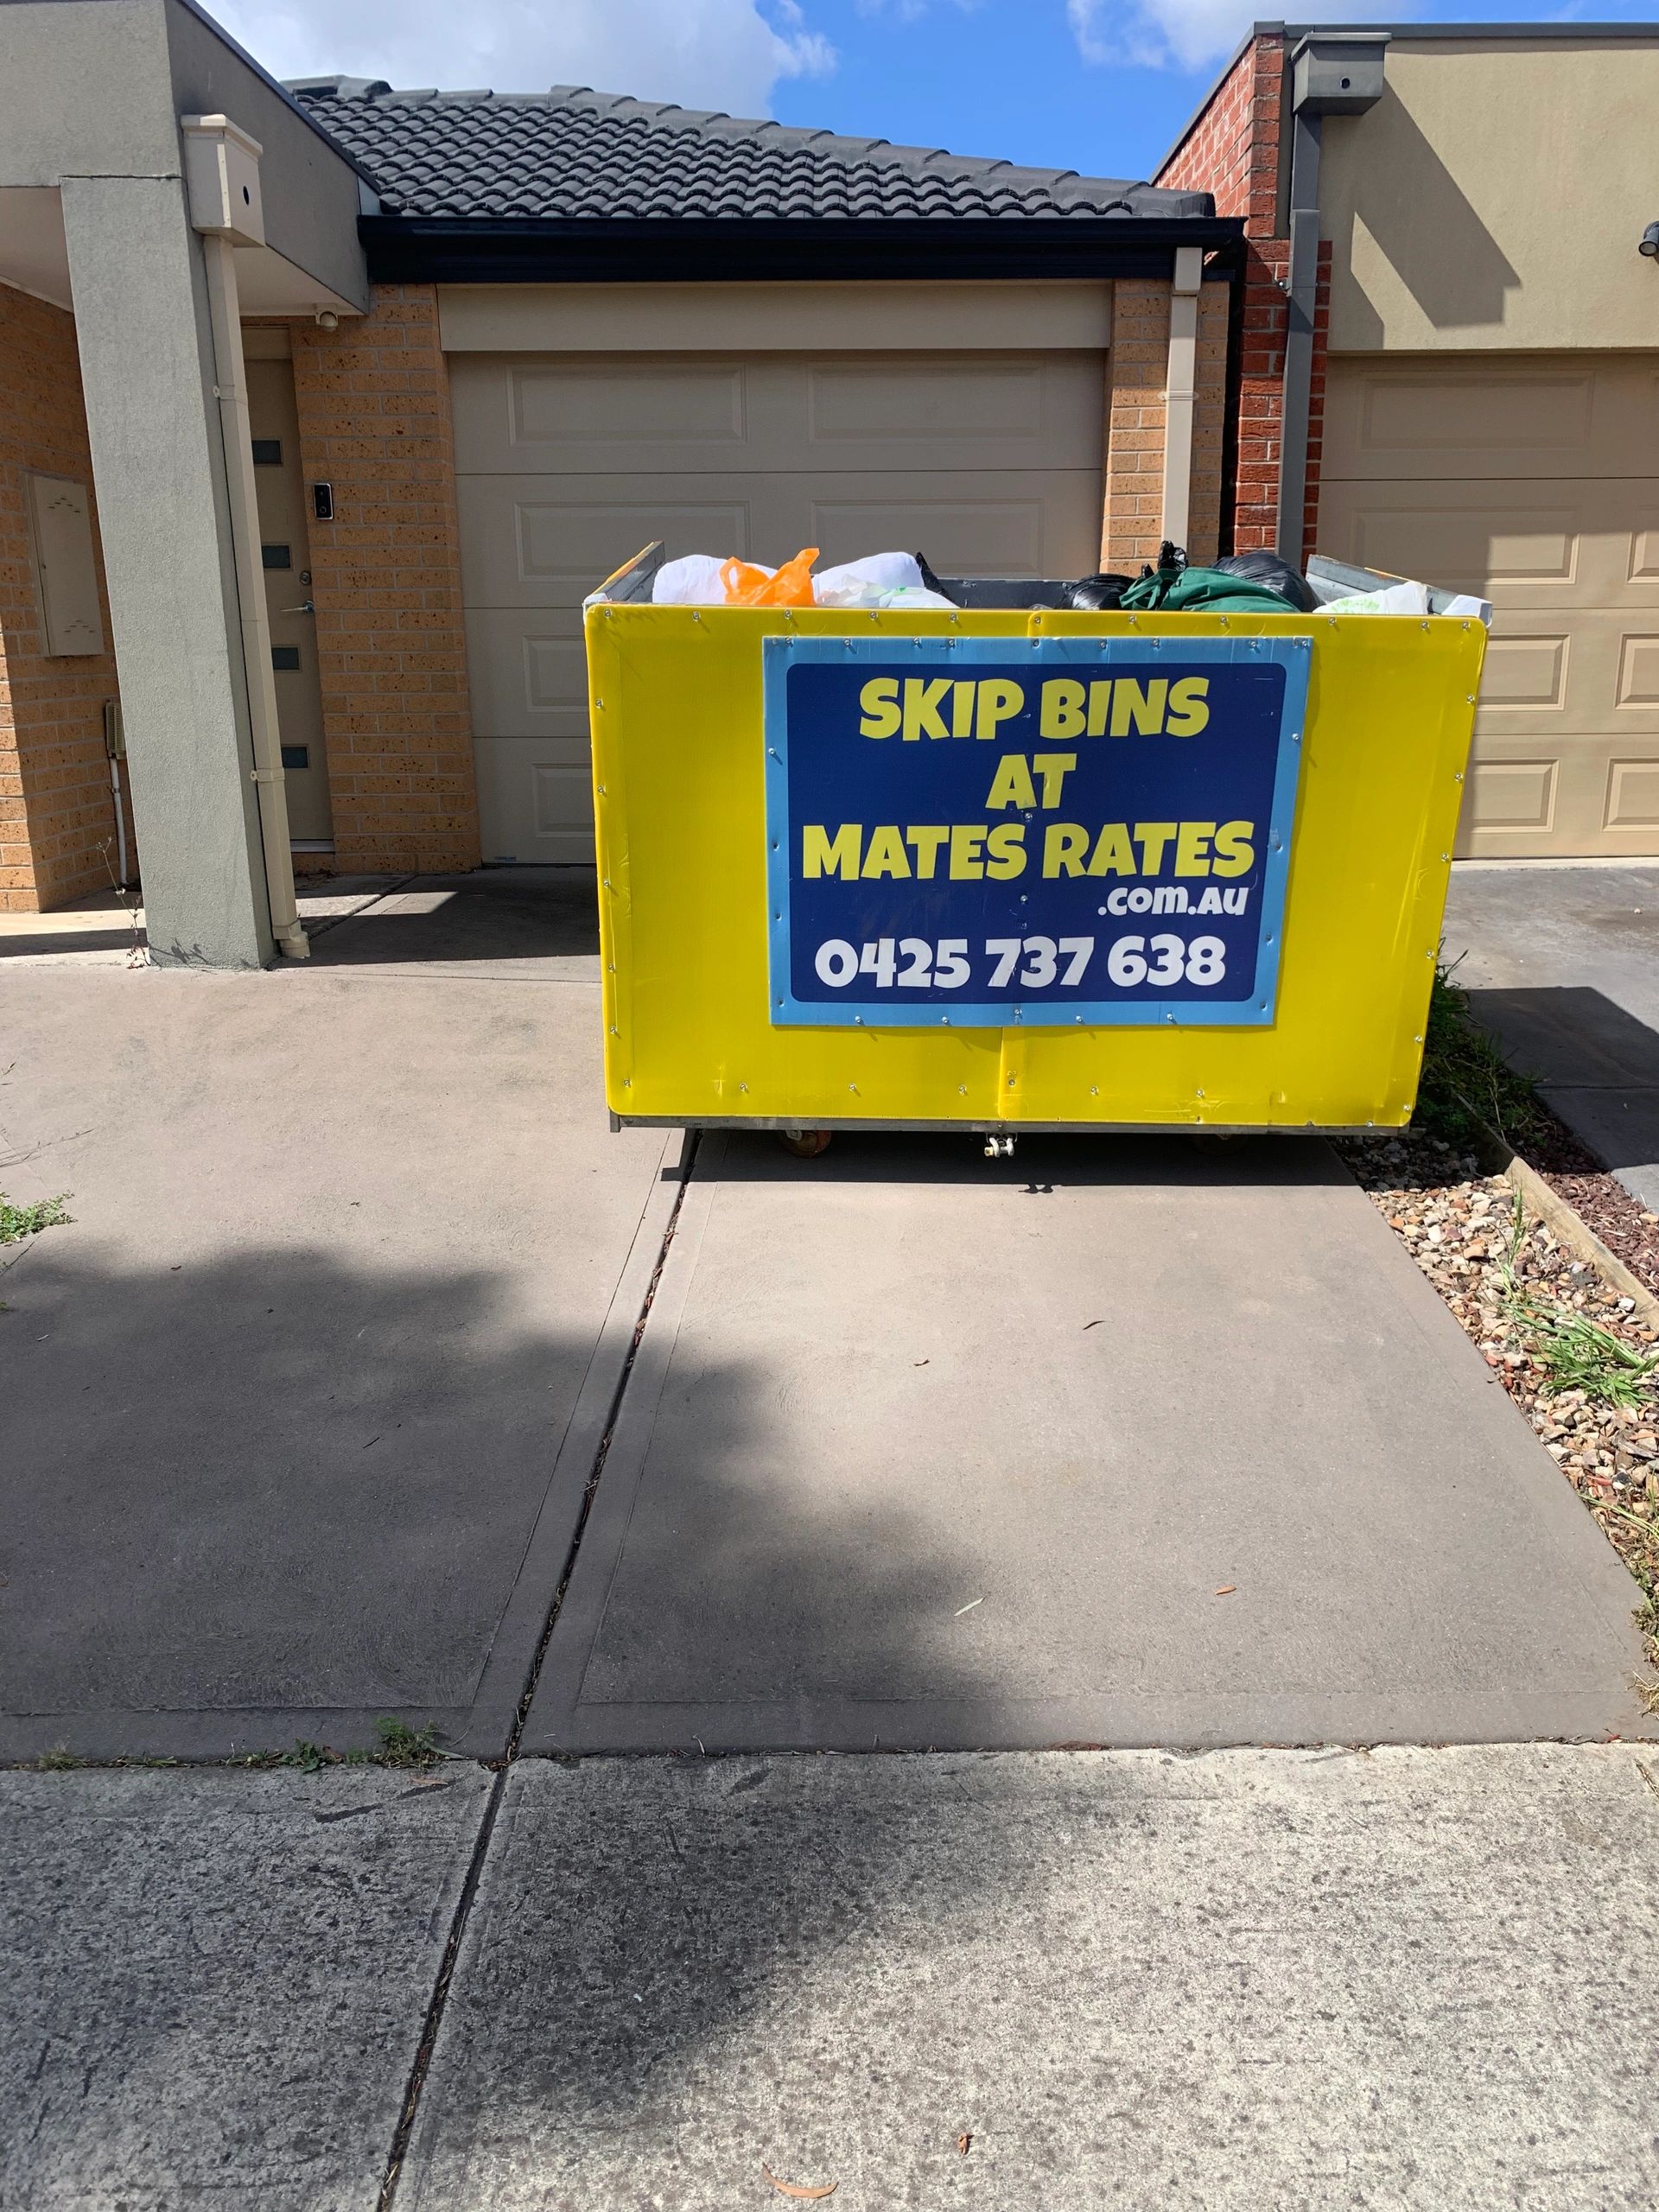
(989, 831)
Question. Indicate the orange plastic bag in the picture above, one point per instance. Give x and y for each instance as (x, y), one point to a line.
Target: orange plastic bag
(747, 586)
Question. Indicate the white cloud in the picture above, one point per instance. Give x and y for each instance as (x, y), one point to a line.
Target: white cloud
(716, 53)
(1185, 33)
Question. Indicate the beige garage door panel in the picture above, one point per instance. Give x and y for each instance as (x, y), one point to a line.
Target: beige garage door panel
(536, 799)
(1541, 417)
(1516, 481)
(602, 413)
(989, 464)
(546, 541)
(1592, 544)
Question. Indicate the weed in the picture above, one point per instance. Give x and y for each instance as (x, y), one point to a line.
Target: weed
(310, 1759)
(1466, 1080)
(1574, 1352)
(402, 1745)
(59, 1760)
(18, 1222)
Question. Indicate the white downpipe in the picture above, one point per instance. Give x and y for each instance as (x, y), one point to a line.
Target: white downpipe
(1180, 392)
(232, 374)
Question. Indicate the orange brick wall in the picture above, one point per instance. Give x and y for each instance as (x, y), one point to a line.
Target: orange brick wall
(1233, 149)
(1136, 369)
(1137, 372)
(55, 807)
(373, 399)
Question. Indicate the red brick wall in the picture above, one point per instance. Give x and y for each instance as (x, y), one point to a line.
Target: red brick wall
(55, 807)
(1233, 150)
(373, 399)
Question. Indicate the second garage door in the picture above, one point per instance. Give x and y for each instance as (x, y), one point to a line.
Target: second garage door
(1534, 481)
(990, 464)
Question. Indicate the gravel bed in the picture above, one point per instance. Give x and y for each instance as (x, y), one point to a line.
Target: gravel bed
(1457, 1224)
(1623, 1222)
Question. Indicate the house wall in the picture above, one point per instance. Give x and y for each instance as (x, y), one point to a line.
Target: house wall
(1137, 422)
(373, 401)
(55, 806)
(1493, 199)
(1234, 148)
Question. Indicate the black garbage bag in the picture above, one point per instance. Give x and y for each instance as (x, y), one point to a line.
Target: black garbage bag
(1278, 575)
(1097, 595)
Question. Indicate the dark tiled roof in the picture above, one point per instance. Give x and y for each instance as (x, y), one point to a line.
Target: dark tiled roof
(572, 153)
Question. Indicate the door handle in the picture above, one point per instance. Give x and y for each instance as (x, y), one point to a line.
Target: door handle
(307, 609)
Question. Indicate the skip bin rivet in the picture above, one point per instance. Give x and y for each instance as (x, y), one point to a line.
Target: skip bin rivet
(777, 917)
(778, 1001)
(603, 792)
(962, 1090)
(1012, 1081)
(1094, 1090)
(615, 1032)
(1416, 1040)
(608, 883)
(1468, 698)
(853, 1088)
(627, 1082)
(771, 752)
(696, 617)
(1458, 778)
(742, 1086)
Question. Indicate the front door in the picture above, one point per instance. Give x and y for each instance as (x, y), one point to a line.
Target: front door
(287, 554)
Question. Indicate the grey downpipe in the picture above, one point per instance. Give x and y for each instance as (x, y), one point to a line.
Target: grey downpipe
(1302, 290)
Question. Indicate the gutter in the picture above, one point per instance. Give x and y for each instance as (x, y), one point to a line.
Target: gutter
(544, 249)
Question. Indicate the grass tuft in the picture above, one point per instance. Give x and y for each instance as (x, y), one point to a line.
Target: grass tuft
(402, 1745)
(18, 1222)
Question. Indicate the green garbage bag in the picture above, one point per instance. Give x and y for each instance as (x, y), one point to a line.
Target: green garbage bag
(1174, 588)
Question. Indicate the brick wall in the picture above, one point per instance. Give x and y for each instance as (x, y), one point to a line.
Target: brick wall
(1136, 367)
(373, 400)
(1136, 421)
(1233, 150)
(55, 807)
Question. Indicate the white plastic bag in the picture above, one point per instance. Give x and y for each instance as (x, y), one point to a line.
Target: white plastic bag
(692, 581)
(865, 583)
(1398, 599)
(918, 600)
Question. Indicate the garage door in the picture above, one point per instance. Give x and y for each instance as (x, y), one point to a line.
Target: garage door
(990, 464)
(1534, 482)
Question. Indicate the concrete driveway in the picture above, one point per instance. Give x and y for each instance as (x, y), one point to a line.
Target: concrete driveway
(1563, 966)
(1121, 1443)
(301, 1408)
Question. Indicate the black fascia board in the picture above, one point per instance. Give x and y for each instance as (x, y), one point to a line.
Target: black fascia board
(654, 250)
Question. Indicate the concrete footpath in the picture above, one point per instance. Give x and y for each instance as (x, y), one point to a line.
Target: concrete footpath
(1423, 1980)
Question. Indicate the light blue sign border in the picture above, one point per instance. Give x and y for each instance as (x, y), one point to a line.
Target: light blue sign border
(782, 653)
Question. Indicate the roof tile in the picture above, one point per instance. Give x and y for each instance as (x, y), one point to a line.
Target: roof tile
(574, 152)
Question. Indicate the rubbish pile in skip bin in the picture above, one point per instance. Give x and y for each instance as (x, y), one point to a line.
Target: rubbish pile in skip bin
(1255, 583)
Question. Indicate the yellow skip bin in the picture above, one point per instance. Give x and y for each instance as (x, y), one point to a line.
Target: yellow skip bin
(1008, 869)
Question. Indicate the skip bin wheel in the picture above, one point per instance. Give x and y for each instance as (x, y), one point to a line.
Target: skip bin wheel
(807, 1144)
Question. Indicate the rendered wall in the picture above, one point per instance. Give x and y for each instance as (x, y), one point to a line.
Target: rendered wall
(1494, 197)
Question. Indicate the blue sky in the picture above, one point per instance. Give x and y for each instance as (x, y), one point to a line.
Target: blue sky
(1006, 77)
(1099, 86)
